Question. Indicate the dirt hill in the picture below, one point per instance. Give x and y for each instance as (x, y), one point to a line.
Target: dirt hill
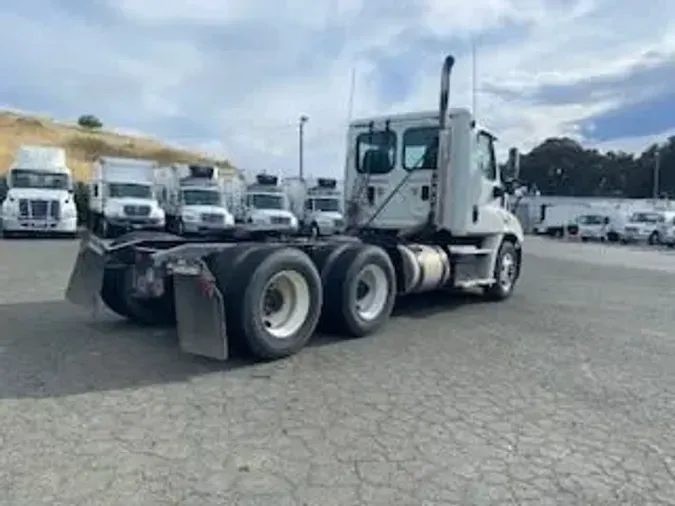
(83, 145)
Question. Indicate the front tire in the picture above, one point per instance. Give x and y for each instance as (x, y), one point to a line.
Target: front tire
(506, 273)
(654, 239)
(359, 291)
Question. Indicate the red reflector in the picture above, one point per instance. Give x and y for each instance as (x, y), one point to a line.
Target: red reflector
(206, 286)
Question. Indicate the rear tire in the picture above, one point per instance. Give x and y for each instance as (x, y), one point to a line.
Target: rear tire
(359, 291)
(507, 271)
(116, 294)
(275, 301)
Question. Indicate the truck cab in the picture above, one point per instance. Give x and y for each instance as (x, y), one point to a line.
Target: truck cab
(193, 200)
(40, 194)
(393, 181)
(122, 196)
(266, 203)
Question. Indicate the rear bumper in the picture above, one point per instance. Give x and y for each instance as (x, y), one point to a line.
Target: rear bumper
(34, 226)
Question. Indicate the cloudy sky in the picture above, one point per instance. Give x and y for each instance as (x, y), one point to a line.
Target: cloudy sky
(231, 77)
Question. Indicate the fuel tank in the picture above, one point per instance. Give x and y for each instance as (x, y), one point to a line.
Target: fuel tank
(426, 267)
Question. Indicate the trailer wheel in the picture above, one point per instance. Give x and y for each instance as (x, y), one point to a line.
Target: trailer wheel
(507, 270)
(276, 302)
(360, 291)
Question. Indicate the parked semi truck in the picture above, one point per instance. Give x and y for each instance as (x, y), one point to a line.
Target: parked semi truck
(193, 200)
(426, 211)
(39, 199)
(122, 197)
(317, 206)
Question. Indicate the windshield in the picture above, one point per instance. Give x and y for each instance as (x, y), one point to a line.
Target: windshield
(27, 178)
(266, 201)
(129, 190)
(201, 198)
(645, 218)
(591, 220)
(326, 205)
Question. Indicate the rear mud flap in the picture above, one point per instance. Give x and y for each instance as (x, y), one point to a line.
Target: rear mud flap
(200, 316)
(86, 279)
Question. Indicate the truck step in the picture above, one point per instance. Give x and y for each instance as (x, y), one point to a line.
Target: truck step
(472, 283)
(469, 251)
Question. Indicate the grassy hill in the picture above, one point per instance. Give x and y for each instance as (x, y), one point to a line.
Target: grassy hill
(83, 145)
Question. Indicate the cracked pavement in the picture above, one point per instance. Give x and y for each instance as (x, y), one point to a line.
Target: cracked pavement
(565, 394)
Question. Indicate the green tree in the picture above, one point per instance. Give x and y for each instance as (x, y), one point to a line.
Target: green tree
(561, 166)
(89, 121)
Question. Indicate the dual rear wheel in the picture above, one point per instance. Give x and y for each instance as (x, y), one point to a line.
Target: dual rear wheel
(275, 297)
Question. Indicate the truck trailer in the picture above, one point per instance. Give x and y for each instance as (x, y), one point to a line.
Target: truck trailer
(426, 211)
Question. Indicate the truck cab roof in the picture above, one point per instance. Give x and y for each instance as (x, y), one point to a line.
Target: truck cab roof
(412, 117)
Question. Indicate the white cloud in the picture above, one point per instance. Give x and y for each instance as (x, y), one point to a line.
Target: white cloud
(232, 77)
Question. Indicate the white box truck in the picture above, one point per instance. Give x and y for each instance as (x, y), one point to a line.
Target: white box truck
(122, 196)
(317, 206)
(193, 199)
(263, 203)
(40, 198)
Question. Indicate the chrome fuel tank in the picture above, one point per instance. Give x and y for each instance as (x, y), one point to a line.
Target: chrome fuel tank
(425, 267)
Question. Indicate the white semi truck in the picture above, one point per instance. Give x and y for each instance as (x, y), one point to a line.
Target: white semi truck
(122, 197)
(318, 206)
(40, 197)
(193, 200)
(426, 211)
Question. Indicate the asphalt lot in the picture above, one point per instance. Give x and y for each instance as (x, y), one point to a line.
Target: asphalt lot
(564, 394)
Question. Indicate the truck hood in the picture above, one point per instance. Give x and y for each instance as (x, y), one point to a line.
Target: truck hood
(267, 213)
(37, 194)
(328, 215)
(117, 202)
(202, 209)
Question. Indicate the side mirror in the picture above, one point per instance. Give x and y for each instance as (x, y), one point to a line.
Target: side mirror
(511, 185)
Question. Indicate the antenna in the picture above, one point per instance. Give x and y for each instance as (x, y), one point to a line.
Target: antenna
(474, 107)
(352, 91)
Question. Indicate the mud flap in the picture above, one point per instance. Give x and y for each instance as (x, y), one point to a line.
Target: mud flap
(86, 278)
(200, 315)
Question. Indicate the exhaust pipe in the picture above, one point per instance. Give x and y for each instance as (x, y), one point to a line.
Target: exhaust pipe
(448, 64)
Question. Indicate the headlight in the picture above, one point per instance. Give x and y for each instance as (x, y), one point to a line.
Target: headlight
(115, 212)
(9, 210)
(189, 217)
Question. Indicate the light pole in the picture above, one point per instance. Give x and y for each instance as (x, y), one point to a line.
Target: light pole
(301, 133)
(657, 172)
